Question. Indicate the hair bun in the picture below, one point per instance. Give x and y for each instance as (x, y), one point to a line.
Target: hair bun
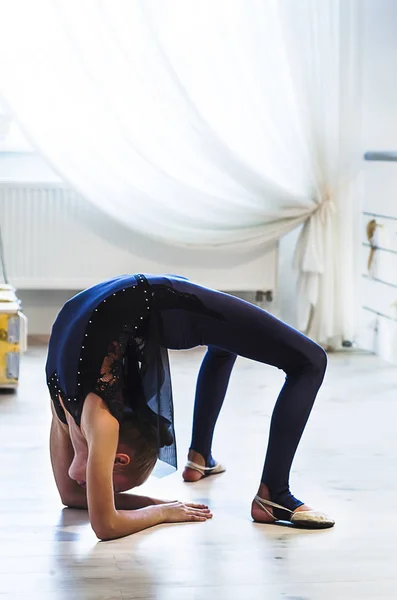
(165, 436)
(157, 429)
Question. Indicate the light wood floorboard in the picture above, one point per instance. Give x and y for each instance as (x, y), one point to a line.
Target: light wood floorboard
(346, 465)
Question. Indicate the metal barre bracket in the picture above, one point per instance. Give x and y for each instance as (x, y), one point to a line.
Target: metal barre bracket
(385, 156)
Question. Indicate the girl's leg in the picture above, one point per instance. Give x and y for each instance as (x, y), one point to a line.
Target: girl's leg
(243, 329)
(211, 389)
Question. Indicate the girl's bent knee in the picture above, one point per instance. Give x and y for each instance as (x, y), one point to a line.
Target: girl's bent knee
(319, 360)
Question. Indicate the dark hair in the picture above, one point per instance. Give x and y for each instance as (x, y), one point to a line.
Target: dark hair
(144, 438)
(158, 430)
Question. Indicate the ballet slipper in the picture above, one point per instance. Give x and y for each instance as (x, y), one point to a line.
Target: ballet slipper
(307, 519)
(205, 471)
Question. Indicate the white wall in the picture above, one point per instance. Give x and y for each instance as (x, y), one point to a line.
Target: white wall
(380, 74)
(41, 308)
(380, 178)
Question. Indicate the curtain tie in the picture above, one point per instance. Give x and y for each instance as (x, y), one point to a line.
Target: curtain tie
(325, 209)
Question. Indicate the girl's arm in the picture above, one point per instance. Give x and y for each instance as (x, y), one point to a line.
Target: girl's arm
(121, 501)
(101, 430)
(73, 495)
(62, 453)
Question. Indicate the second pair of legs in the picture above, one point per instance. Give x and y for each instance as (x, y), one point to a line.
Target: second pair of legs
(231, 327)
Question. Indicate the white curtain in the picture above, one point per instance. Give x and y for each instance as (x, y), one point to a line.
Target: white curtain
(202, 123)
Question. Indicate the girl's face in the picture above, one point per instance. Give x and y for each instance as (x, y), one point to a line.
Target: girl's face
(123, 477)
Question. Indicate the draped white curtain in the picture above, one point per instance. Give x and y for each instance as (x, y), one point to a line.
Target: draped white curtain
(202, 123)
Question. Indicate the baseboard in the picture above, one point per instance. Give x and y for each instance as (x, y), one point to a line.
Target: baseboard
(38, 340)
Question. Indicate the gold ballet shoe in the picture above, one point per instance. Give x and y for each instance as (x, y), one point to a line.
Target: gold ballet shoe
(307, 519)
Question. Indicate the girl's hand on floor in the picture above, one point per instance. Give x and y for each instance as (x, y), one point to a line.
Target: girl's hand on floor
(180, 512)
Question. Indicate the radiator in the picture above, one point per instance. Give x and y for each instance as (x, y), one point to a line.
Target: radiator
(54, 239)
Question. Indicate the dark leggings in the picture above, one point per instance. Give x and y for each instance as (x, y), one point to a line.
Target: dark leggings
(246, 330)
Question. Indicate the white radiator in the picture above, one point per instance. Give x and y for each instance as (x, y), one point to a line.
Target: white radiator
(54, 239)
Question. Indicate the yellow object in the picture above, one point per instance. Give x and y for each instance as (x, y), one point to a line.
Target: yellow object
(13, 336)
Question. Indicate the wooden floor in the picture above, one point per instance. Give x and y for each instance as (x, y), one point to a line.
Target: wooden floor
(346, 465)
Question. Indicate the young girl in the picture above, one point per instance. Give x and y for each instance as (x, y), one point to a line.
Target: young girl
(108, 375)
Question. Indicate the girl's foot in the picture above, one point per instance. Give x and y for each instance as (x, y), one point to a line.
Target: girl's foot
(196, 468)
(265, 513)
